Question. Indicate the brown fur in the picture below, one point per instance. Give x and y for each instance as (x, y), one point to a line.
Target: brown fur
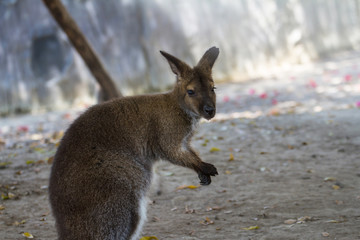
(102, 168)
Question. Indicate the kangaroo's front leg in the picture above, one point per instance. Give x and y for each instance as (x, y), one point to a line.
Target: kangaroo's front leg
(188, 158)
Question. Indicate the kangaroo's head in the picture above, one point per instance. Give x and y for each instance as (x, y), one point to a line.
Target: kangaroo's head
(194, 86)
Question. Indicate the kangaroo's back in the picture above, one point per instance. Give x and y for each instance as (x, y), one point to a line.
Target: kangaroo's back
(102, 168)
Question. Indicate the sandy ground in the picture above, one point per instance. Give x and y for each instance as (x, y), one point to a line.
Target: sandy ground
(286, 147)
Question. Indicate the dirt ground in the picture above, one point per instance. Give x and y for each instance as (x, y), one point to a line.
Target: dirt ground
(286, 147)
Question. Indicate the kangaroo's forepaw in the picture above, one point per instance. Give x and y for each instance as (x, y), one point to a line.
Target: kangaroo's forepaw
(206, 170)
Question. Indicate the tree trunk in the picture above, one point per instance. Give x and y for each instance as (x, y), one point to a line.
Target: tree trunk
(78, 40)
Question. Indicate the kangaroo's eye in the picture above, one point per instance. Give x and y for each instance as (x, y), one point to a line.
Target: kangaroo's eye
(190, 92)
(213, 89)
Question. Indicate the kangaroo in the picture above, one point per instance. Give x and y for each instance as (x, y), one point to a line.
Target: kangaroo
(103, 166)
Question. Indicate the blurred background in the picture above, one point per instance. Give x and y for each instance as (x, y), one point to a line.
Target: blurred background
(40, 70)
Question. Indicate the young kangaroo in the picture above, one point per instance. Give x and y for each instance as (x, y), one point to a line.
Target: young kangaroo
(103, 166)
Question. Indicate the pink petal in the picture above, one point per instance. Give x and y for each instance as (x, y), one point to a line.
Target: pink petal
(312, 83)
(67, 116)
(252, 91)
(274, 101)
(23, 128)
(347, 78)
(263, 95)
(226, 99)
(358, 104)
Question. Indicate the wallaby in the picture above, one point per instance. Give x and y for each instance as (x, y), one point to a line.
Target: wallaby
(103, 166)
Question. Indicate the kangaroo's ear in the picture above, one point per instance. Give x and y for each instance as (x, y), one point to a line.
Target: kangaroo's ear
(177, 66)
(207, 61)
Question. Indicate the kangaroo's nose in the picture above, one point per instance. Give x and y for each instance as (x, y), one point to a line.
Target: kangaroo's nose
(209, 110)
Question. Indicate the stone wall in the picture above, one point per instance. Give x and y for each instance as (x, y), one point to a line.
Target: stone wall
(39, 70)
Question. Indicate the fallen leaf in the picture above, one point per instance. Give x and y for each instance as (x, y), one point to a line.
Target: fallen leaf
(208, 209)
(4, 164)
(189, 210)
(7, 196)
(325, 234)
(205, 142)
(207, 221)
(251, 228)
(214, 149)
(187, 186)
(50, 160)
(11, 195)
(228, 172)
(231, 157)
(263, 169)
(304, 219)
(290, 221)
(57, 135)
(274, 112)
(2, 207)
(4, 196)
(45, 213)
(27, 235)
(28, 162)
(329, 179)
(339, 202)
(39, 150)
(333, 221)
(335, 187)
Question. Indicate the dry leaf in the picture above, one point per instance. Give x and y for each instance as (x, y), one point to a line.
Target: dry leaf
(4, 196)
(2, 207)
(333, 221)
(251, 228)
(214, 149)
(39, 150)
(339, 202)
(325, 234)
(335, 187)
(231, 157)
(7, 196)
(187, 186)
(290, 221)
(207, 221)
(189, 210)
(28, 162)
(228, 172)
(304, 219)
(329, 179)
(208, 209)
(50, 160)
(11, 195)
(27, 235)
